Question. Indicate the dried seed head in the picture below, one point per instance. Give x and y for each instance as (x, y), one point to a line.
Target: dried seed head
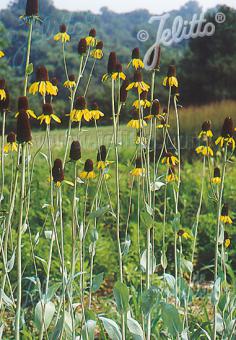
(58, 171)
(225, 210)
(80, 103)
(228, 127)
(63, 28)
(88, 166)
(2, 84)
(206, 126)
(119, 67)
(23, 103)
(171, 71)
(82, 46)
(71, 77)
(92, 33)
(138, 163)
(143, 95)
(54, 81)
(4, 104)
(102, 153)
(42, 73)
(75, 151)
(171, 171)
(23, 129)
(137, 76)
(136, 53)
(180, 232)
(11, 137)
(135, 114)
(155, 58)
(112, 61)
(155, 107)
(123, 91)
(99, 45)
(47, 109)
(216, 172)
(32, 8)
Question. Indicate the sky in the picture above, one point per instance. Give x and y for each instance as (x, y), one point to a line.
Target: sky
(154, 6)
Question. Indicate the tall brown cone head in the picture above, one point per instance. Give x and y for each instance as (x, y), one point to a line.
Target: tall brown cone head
(138, 76)
(102, 153)
(71, 77)
(58, 171)
(99, 45)
(32, 8)
(225, 210)
(119, 68)
(11, 137)
(92, 33)
(135, 114)
(216, 172)
(123, 91)
(112, 61)
(2, 84)
(171, 71)
(206, 126)
(23, 129)
(75, 151)
(155, 107)
(88, 166)
(136, 53)
(143, 95)
(228, 127)
(63, 28)
(42, 73)
(47, 109)
(82, 46)
(138, 163)
(80, 103)
(4, 104)
(23, 103)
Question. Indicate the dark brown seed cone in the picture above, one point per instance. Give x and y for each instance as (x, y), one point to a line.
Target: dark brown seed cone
(180, 232)
(2, 84)
(71, 77)
(165, 110)
(42, 73)
(58, 171)
(54, 81)
(112, 61)
(156, 53)
(143, 95)
(102, 153)
(206, 126)
(216, 172)
(23, 129)
(75, 151)
(138, 163)
(225, 210)
(228, 127)
(32, 8)
(23, 103)
(4, 104)
(88, 166)
(155, 107)
(136, 53)
(92, 33)
(163, 121)
(138, 76)
(171, 71)
(82, 46)
(171, 171)
(134, 113)
(94, 106)
(80, 103)
(123, 91)
(11, 137)
(226, 236)
(63, 28)
(47, 109)
(99, 45)
(119, 67)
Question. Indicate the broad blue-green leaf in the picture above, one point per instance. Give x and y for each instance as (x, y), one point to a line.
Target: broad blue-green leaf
(111, 328)
(121, 294)
(52, 291)
(171, 319)
(170, 280)
(134, 328)
(215, 295)
(99, 212)
(97, 281)
(49, 310)
(88, 330)
(152, 261)
(149, 298)
(10, 263)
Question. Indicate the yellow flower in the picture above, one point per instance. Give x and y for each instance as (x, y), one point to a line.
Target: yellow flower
(2, 54)
(163, 124)
(118, 75)
(95, 112)
(137, 123)
(97, 53)
(184, 234)
(227, 243)
(138, 83)
(91, 39)
(143, 102)
(227, 134)
(88, 172)
(80, 111)
(62, 35)
(205, 150)
(30, 113)
(48, 114)
(171, 80)
(229, 141)
(70, 83)
(136, 61)
(138, 171)
(171, 177)
(225, 218)
(216, 178)
(42, 83)
(170, 159)
(149, 117)
(3, 94)
(10, 147)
